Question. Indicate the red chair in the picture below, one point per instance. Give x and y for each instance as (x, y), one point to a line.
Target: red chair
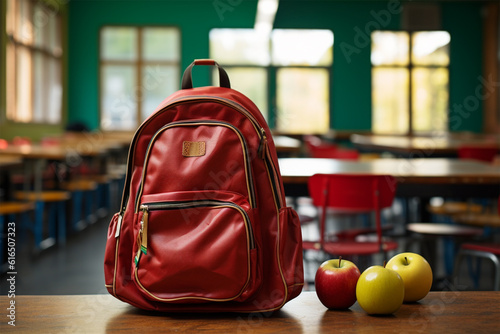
(483, 153)
(20, 141)
(490, 251)
(3, 144)
(352, 194)
(317, 148)
(334, 152)
(475, 152)
(479, 250)
(311, 140)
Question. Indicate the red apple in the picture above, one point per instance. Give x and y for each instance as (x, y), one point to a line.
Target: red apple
(335, 283)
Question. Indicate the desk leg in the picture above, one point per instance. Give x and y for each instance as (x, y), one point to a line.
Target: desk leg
(6, 185)
(38, 228)
(28, 172)
(39, 164)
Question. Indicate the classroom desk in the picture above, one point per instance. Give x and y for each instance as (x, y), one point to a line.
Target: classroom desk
(55, 152)
(287, 145)
(438, 312)
(8, 162)
(118, 140)
(422, 146)
(36, 156)
(424, 178)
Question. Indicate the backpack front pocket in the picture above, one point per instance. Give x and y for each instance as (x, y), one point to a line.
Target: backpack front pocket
(195, 250)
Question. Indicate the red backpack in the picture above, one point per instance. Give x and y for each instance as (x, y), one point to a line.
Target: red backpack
(203, 224)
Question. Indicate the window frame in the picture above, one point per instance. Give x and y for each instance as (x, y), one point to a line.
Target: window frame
(272, 82)
(13, 45)
(409, 68)
(137, 66)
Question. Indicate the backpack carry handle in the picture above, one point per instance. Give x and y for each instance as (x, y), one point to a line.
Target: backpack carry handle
(187, 79)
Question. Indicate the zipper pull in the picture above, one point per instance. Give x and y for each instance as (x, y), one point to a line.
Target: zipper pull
(119, 225)
(263, 144)
(144, 229)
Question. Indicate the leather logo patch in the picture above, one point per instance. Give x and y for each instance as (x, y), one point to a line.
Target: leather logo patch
(193, 148)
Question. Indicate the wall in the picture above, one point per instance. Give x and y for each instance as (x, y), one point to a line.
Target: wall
(350, 92)
(195, 18)
(464, 22)
(350, 21)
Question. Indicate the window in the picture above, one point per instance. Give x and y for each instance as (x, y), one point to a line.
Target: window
(289, 67)
(410, 79)
(139, 68)
(34, 66)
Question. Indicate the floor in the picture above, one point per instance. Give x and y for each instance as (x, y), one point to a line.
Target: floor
(77, 268)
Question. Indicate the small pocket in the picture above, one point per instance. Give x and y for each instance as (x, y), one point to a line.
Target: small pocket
(291, 251)
(110, 254)
(195, 247)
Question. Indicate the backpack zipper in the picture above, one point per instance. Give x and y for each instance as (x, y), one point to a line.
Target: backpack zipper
(259, 130)
(234, 105)
(147, 207)
(248, 167)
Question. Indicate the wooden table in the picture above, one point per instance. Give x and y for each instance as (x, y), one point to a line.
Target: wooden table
(422, 146)
(120, 139)
(66, 151)
(8, 162)
(37, 155)
(287, 145)
(438, 312)
(426, 177)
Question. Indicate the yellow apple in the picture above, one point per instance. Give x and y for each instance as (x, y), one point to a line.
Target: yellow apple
(415, 272)
(380, 290)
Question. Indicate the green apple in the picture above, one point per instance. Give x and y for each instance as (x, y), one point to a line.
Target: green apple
(415, 272)
(380, 290)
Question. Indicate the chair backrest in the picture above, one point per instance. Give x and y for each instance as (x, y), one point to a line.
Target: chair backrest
(483, 153)
(318, 148)
(312, 140)
(352, 192)
(333, 152)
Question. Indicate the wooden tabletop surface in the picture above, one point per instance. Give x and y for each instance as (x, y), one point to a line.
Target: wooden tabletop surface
(53, 152)
(287, 144)
(425, 170)
(438, 312)
(423, 146)
(7, 162)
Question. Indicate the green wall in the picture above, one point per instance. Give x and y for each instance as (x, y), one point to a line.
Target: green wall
(195, 18)
(351, 22)
(463, 21)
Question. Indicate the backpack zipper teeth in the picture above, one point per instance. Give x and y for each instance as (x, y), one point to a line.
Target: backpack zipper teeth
(259, 130)
(221, 100)
(157, 206)
(248, 166)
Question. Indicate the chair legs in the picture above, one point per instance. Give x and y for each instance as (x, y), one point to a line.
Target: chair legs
(2, 238)
(478, 254)
(19, 220)
(56, 224)
(40, 242)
